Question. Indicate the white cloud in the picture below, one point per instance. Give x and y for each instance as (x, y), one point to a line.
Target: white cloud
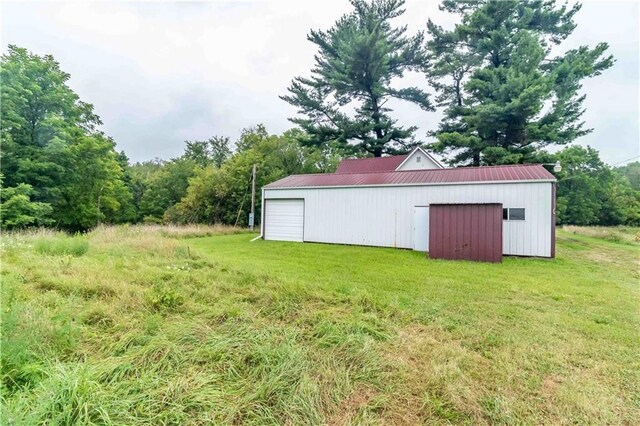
(159, 73)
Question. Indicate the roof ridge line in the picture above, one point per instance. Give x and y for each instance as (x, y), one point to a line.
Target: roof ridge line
(374, 158)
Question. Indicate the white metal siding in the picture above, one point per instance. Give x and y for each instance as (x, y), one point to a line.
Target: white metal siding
(383, 216)
(285, 220)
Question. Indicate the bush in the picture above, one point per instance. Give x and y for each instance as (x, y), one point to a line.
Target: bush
(18, 211)
(74, 246)
(151, 220)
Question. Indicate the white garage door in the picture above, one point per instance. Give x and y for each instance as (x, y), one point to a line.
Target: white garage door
(284, 220)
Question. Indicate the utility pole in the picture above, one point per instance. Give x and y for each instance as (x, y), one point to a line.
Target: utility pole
(253, 199)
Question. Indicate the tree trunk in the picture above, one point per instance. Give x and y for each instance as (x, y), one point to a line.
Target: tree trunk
(476, 159)
(377, 151)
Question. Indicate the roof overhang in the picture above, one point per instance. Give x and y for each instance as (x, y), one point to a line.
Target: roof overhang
(488, 182)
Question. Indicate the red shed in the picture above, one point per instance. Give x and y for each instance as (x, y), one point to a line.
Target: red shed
(466, 231)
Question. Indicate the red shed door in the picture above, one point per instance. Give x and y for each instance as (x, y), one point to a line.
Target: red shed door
(466, 232)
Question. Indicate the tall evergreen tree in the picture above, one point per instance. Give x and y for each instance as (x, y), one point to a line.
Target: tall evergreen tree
(506, 94)
(357, 60)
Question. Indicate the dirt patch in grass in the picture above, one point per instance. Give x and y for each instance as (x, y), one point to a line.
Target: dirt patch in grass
(550, 385)
(351, 405)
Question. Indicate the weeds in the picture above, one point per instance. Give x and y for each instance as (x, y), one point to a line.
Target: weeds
(145, 326)
(62, 245)
(621, 234)
(163, 298)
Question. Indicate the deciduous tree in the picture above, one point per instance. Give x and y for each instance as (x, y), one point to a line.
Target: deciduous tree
(591, 193)
(221, 195)
(18, 211)
(214, 151)
(56, 162)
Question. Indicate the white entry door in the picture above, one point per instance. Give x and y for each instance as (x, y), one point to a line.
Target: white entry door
(284, 220)
(421, 228)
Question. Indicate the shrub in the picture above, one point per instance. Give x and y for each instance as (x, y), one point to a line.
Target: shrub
(151, 220)
(73, 246)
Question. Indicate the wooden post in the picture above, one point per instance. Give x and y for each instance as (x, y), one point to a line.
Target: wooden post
(253, 198)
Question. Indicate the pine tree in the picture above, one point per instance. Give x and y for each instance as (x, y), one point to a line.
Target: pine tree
(357, 60)
(506, 95)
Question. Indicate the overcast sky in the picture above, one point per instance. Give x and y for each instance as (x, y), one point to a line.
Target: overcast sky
(159, 73)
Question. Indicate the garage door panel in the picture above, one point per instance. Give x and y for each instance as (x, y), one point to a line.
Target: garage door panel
(284, 220)
(466, 231)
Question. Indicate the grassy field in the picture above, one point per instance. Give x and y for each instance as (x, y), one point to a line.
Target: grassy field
(136, 325)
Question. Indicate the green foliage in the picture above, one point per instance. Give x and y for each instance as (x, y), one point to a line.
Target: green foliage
(62, 246)
(358, 59)
(213, 151)
(221, 195)
(18, 211)
(505, 95)
(51, 145)
(162, 185)
(95, 192)
(165, 298)
(590, 192)
(631, 172)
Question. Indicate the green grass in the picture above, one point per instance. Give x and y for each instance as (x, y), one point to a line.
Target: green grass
(62, 245)
(617, 234)
(151, 325)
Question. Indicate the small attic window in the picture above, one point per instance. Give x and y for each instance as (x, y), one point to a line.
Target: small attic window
(418, 159)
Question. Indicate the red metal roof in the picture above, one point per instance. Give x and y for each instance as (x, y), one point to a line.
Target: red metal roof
(366, 165)
(516, 173)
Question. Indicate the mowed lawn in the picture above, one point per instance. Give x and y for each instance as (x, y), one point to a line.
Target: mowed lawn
(151, 325)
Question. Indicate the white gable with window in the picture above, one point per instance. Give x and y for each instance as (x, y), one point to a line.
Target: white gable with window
(419, 159)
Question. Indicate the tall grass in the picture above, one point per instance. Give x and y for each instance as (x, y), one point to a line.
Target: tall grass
(616, 234)
(62, 245)
(153, 325)
(105, 233)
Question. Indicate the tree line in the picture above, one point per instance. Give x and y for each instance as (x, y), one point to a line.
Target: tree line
(506, 95)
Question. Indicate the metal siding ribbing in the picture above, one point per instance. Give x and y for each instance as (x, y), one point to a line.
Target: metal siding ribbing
(466, 231)
(552, 238)
(285, 220)
(383, 216)
(380, 164)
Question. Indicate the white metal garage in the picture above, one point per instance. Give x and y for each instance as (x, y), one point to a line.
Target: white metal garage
(389, 207)
(284, 220)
